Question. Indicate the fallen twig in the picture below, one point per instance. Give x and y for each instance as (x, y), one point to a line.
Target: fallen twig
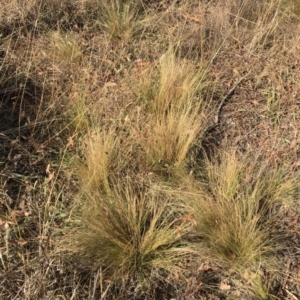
(220, 107)
(24, 127)
(287, 274)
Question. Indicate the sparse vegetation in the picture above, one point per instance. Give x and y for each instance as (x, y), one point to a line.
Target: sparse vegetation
(121, 177)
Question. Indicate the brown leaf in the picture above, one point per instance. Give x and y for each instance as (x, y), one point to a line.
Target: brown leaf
(293, 144)
(176, 276)
(224, 286)
(205, 267)
(246, 275)
(294, 220)
(21, 242)
(110, 84)
(17, 157)
(22, 205)
(50, 174)
(70, 142)
(73, 95)
(18, 243)
(198, 287)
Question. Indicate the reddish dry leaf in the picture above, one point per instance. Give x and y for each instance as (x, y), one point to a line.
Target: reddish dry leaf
(294, 220)
(178, 231)
(197, 288)
(2, 222)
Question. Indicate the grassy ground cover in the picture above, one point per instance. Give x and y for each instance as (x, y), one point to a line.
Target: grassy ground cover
(149, 149)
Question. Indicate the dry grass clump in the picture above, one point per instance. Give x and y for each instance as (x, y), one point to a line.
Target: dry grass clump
(120, 20)
(64, 48)
(236, 214)
(176, 112)
(107, 156)
(134, 234)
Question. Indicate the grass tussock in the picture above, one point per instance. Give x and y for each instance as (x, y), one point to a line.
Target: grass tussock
(134, 234)
(120, 20)
(64, 48)
(176, 112)
(237, 214)
(106, 156)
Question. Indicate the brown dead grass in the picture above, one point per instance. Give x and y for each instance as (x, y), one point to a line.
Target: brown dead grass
(102, 129)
